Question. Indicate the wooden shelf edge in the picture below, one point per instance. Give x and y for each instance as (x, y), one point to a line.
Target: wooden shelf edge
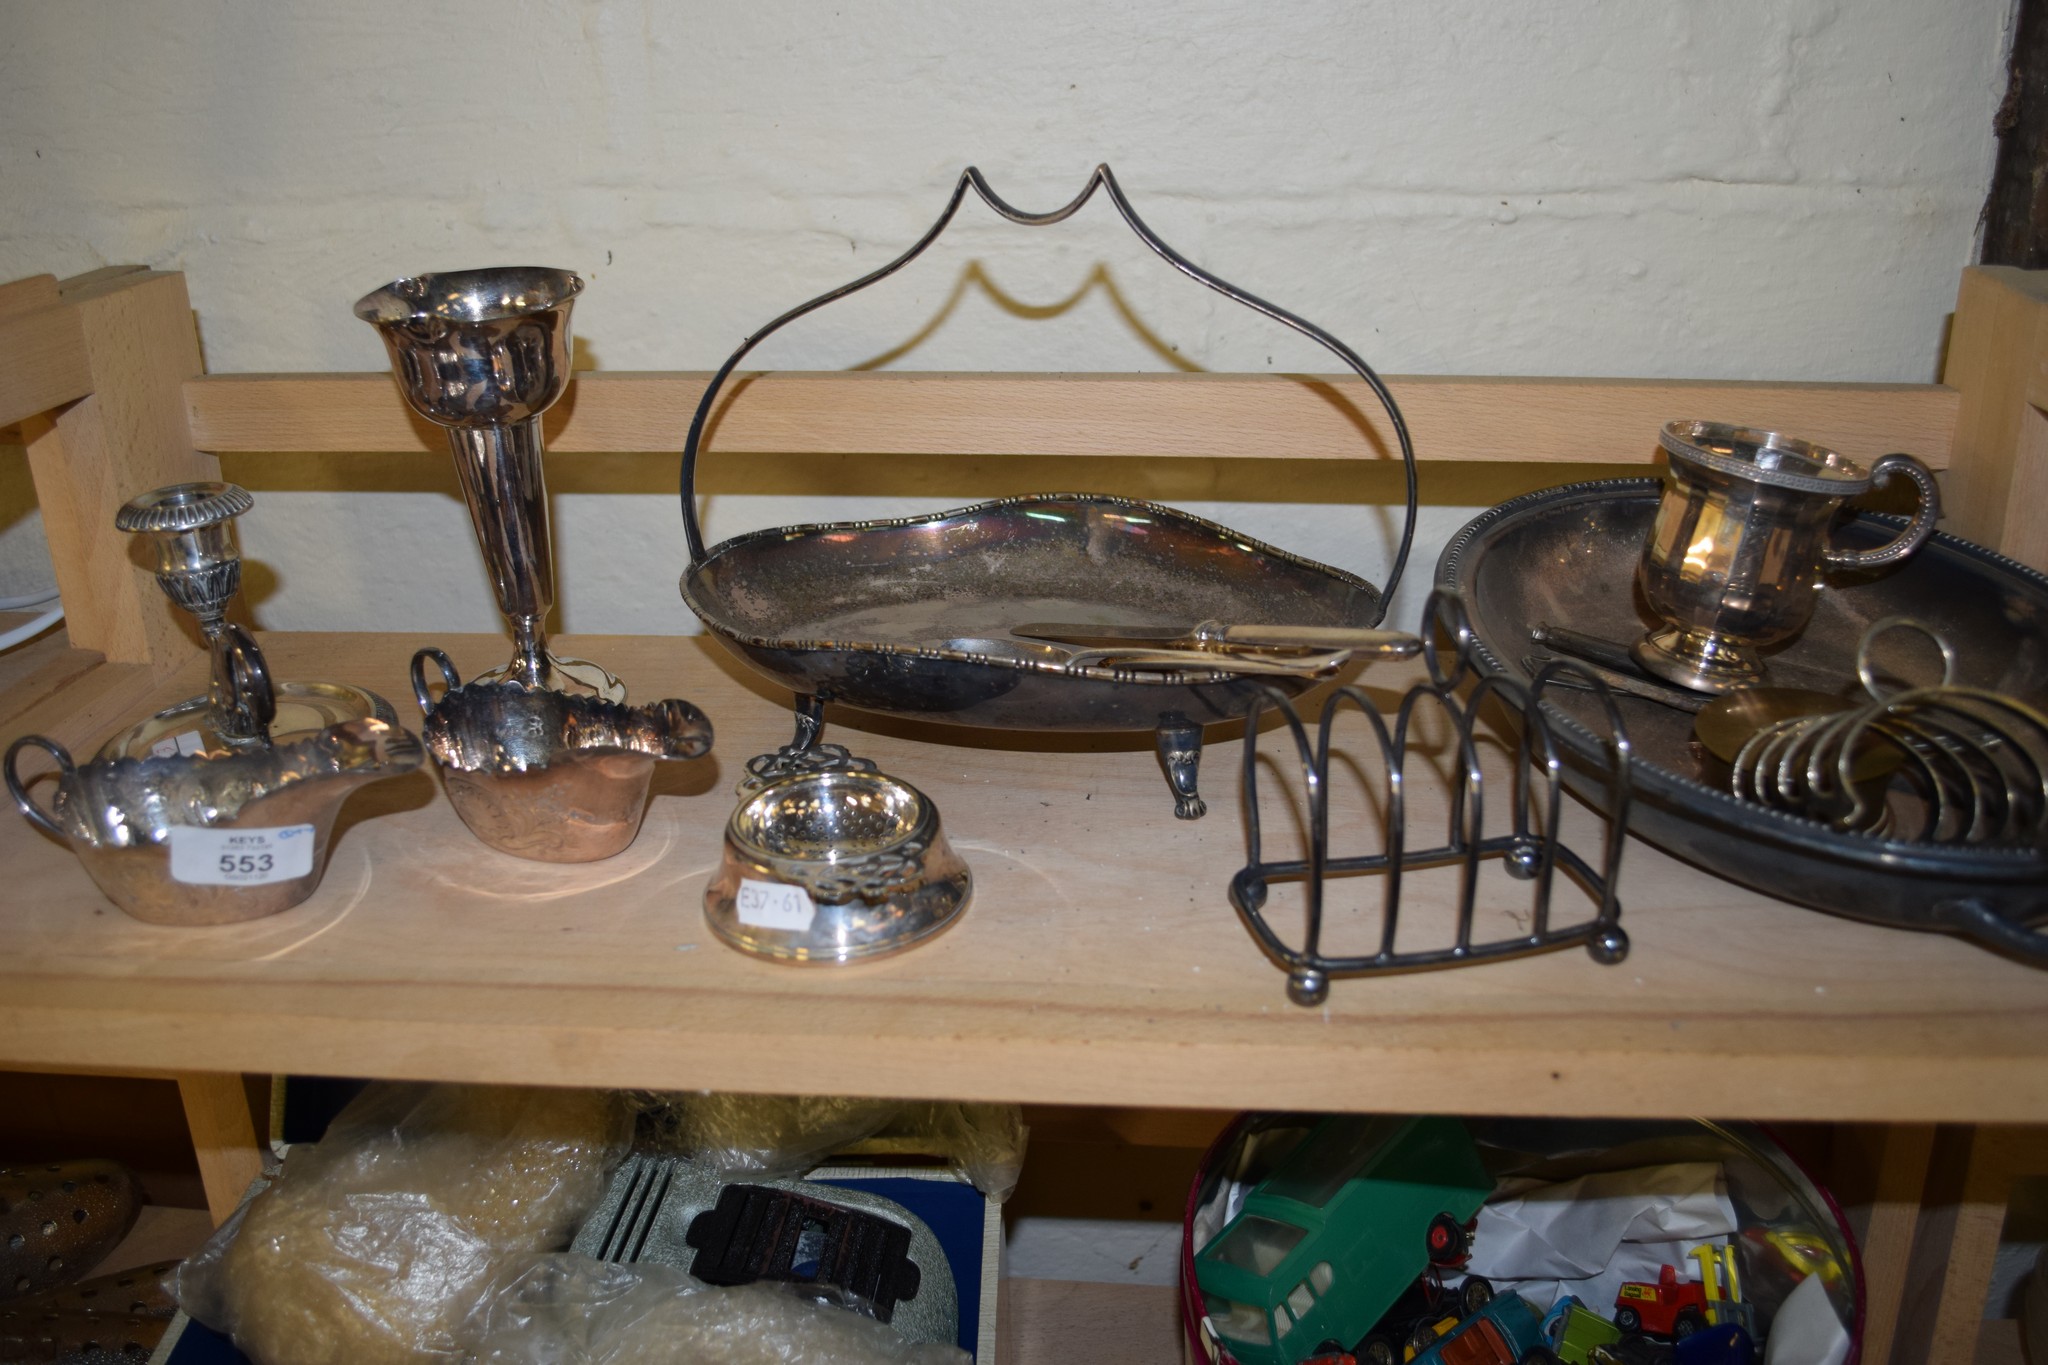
(1226, 416)
(556, 1047)
(34, 672)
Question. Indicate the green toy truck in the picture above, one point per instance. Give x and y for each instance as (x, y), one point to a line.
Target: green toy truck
(1323, 1246)
(1575, 1331)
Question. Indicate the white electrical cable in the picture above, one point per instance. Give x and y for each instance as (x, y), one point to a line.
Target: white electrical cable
(28, 600)
(31, 629)
(28, 630)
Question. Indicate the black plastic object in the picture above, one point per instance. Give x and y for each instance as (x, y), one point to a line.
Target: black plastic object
(757, 1233)
(1531, 850)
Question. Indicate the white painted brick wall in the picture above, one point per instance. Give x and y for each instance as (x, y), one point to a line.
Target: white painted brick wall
(1719, 188)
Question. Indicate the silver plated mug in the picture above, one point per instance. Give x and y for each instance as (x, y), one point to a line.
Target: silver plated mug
(1740, 544)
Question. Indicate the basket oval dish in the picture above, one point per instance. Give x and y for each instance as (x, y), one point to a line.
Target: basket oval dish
(906, 616)
(1568, 556)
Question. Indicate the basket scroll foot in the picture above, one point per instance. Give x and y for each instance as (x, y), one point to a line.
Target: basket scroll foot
(1180, 753)
(810, 722)
(803, 754)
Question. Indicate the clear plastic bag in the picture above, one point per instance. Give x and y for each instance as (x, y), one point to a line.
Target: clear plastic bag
(766, 1137)
(986, 1141)
(770, 1137)
(378, 1242)
(572, 1310)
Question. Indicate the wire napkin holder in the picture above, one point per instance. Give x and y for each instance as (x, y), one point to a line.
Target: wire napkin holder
(1531, 850)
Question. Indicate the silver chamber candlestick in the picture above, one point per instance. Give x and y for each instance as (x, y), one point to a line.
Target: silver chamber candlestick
(191, 528)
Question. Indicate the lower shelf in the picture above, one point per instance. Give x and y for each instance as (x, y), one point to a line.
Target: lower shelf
(1068, 1322)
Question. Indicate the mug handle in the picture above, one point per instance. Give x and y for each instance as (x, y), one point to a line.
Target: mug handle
(1916, 532)
(37, 816)
(249, 691)
(419, 677)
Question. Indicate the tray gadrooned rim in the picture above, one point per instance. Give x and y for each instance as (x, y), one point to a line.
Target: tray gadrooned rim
(699, 603)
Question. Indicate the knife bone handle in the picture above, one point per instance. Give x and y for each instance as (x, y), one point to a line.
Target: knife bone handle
(1619, 683)
(1591, 648)
(1378, 644)
(1208, 660)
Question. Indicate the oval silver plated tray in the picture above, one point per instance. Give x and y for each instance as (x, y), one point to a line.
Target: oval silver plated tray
(909, 617)
(912, 617)
(1567, 557)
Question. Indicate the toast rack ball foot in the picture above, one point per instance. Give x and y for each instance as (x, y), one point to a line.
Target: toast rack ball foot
(1523, 859)
(1608, 948)
(1307, 986)
(1180, 753)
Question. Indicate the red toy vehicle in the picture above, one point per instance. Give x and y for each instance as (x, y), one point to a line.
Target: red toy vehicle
(1671, 1307)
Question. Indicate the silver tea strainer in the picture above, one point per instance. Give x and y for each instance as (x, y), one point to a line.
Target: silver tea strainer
(834, 862)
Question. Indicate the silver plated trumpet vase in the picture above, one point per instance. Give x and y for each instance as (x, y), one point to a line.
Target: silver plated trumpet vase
(482, 354)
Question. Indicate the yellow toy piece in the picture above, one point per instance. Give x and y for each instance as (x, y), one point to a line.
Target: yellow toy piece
(1721, 1283)
(1803, 1253)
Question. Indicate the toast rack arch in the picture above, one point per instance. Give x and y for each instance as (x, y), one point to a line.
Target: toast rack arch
(1102, 178)
(1532, 849)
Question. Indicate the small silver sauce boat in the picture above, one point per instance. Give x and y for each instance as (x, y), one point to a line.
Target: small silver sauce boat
(553, 776)
(218, 809)
(126, 817)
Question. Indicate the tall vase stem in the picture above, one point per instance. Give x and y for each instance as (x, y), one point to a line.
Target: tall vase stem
(506, 489)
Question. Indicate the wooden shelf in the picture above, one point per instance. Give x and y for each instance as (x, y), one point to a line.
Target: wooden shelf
(1100, 962)
(1153, 416)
